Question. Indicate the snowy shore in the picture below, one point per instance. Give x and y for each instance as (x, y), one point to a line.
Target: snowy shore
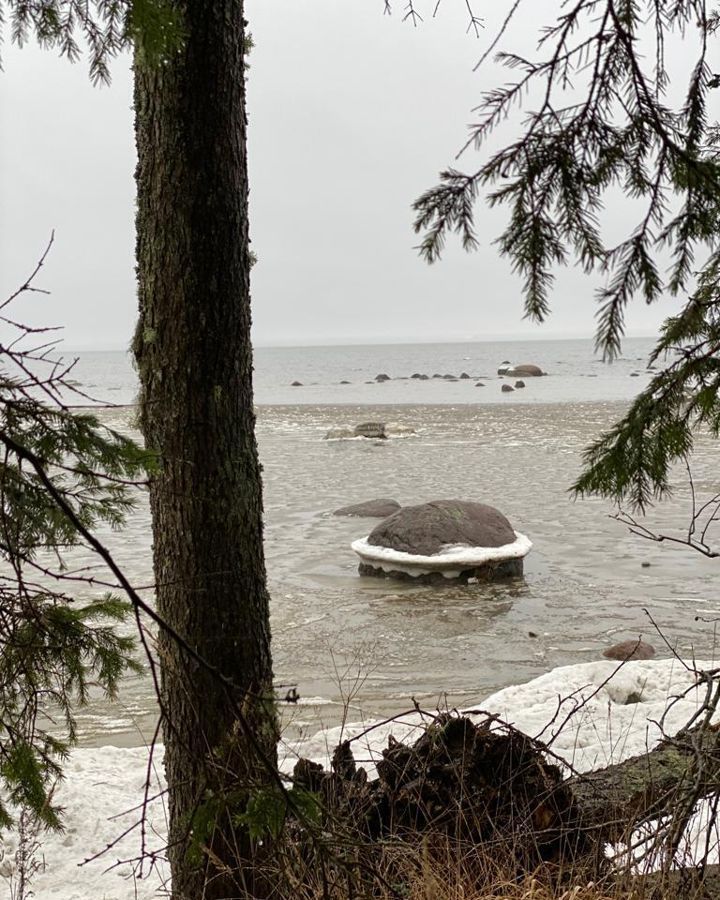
(591, 714)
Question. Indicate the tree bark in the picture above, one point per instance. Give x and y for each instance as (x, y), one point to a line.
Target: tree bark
(194, 357)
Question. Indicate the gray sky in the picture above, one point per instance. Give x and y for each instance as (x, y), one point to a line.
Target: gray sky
(352, 114)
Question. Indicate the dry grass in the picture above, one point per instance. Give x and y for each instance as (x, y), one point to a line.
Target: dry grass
(443, 872)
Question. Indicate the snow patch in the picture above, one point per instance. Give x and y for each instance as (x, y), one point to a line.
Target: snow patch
(591, 714)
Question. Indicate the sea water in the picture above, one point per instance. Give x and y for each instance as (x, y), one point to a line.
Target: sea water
(364, 647)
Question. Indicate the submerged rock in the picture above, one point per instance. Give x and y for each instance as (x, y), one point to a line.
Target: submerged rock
(632, 649)
(371, 509)
(374, 430)
(443, 539)
(335, 434)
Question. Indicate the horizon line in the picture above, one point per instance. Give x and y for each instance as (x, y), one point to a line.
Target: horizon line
(369, 342)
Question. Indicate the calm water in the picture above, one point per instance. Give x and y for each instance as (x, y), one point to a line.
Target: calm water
(574, 373)
(376, 644)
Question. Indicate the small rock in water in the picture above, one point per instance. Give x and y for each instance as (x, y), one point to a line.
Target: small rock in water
(371, 509)
(645, 564)
(532, 634)
(337, 433)
(506, 388)
(634, 374)
(296, 384)
(382, 377)
(464, 375)
(519, 384)
(370, 430)
(526, 370)
(479, 384)
(632, 649)
(344, 382)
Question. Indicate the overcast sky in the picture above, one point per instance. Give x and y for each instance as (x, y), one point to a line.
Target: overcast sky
(352, 114)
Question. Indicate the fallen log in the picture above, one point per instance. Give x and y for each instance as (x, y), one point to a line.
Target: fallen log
(612, 800)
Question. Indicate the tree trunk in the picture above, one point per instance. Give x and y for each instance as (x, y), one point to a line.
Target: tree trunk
(194, 357)
(610, 801)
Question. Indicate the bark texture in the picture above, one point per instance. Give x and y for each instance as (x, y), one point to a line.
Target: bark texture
(194, 357)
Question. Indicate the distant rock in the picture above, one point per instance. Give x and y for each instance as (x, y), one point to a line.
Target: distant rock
(634, 374)
(374, 430)
(506, 362)
(382, 377)
(526, 370)
(519, 384)
(479, 384)
(418, 375)
(344, 382)
(336, 434)
(464, 375)
(296, 384)
(370, 509)
(449, 377)
(397, 429)
(632, 649)
(437, 376)
(507, 389)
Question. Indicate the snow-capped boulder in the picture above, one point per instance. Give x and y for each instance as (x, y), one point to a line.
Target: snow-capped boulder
(444, 539)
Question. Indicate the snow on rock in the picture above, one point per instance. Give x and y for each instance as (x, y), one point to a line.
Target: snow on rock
(451, 562)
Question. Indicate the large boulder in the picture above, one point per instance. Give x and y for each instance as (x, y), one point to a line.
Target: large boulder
(443, 539)
(526, 370)
(371, 509)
